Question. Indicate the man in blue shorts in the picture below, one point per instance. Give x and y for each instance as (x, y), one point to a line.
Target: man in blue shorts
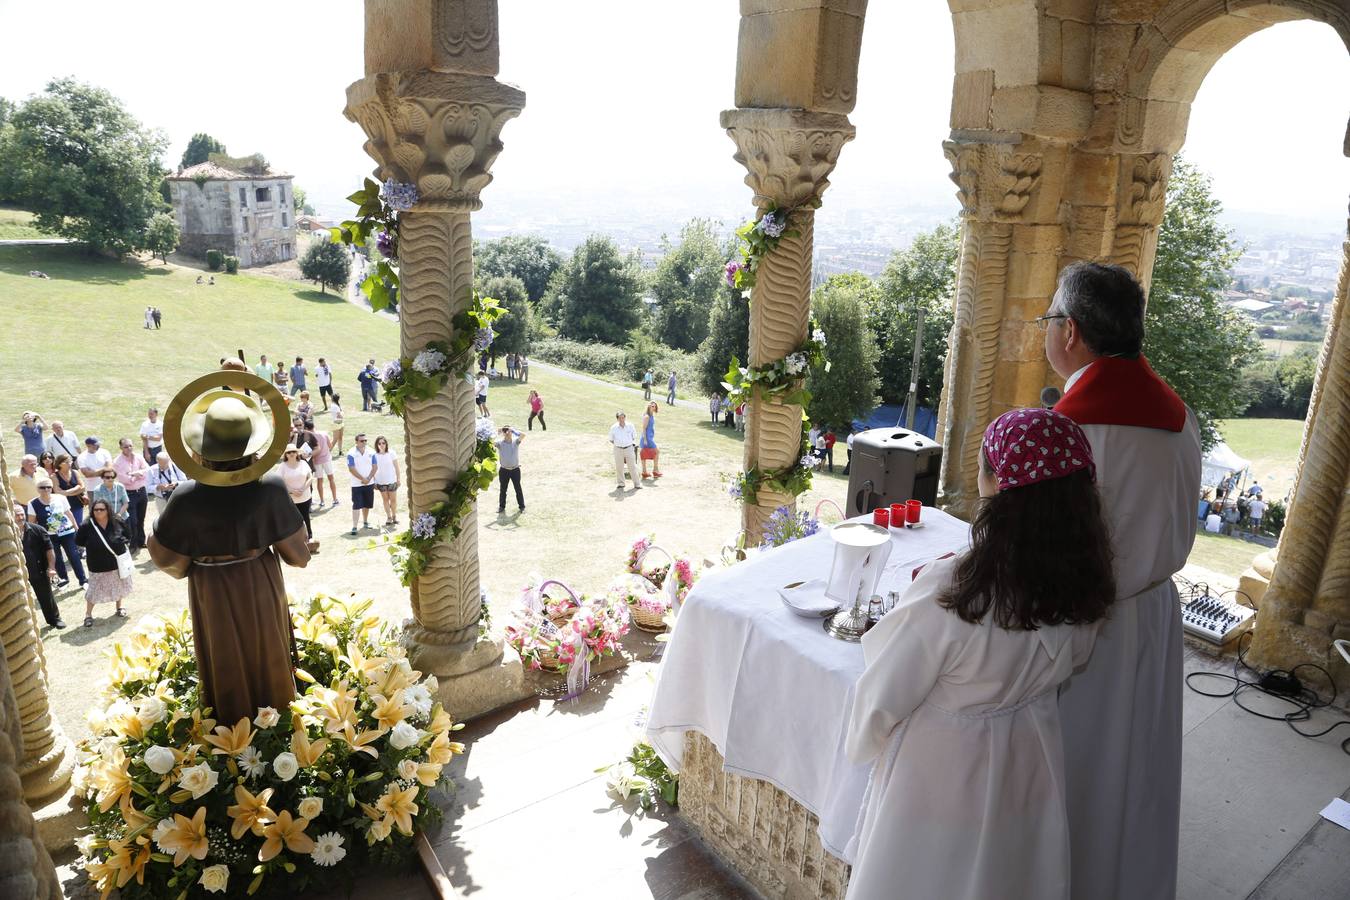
(361, 465)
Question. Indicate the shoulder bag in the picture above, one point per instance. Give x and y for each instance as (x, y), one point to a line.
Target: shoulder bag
(125, 566)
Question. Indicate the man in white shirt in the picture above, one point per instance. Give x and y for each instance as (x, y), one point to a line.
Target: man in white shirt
(63, 441)
(624, 439)
(152, 436)
(361, 466)
(480, 388)
(164, 477)
(92, 462)
(1256, 510)
(324, 377)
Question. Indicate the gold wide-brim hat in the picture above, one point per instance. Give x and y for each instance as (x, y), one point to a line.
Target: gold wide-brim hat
(213, 419)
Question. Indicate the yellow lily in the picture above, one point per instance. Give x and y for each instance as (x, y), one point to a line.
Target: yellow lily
(428, 774)
(389, 711)
(365, 666)
(442, 750)
(131, 815)
(126, 862)
(250, 812)
(229, 741)
(398, 806)
(360, 742)
(441, 723)
(112, 778)
(337, 706)
(187, 837)
(288, 831)
(307, 752)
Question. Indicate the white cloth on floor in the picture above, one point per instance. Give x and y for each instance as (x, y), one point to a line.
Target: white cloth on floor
(770, 688)
(1122, 714)
(967, 798)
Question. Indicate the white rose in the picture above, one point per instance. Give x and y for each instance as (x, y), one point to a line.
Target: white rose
(407, 770)
(285, 765)
(310, 807)
(160, 760)
(86, 845)
(266, 717)
(403, 736)
(214, 878)
(79, 780)
(162, 828)
(198, 779)
(151, 710)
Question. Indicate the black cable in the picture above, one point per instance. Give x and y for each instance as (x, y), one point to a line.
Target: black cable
(1304, 701)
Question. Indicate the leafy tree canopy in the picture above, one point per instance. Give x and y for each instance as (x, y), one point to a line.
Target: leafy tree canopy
(253, 164)
(595, 296)
(849, 388)
(1198, 345)
(161, 235)
(513, 329)
(327, 263)
(728, 336)
(199, 149)
(525, 256)
(84, 166)
(921, 276)
(686, 282)
(301, 199)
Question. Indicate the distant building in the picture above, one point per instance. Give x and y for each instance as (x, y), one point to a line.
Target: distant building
(312, 224)
(245, 214)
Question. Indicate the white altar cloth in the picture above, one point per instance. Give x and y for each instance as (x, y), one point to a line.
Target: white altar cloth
(770, 688)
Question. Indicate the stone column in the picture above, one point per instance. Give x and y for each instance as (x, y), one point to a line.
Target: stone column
(796, 82)
(47, 759)
(26, 871)
(433, 113)
(1011, 249)
(1308, 602)
(788, 154)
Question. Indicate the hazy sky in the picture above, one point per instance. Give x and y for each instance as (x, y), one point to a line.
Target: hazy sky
(623, 97)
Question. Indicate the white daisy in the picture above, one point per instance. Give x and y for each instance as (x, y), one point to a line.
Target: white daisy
(328, 849)
(251, 761)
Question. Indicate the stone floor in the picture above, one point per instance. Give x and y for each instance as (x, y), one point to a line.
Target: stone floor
(531, 815)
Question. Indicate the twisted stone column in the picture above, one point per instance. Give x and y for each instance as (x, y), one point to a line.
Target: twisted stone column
(26, 871)
(433, 113)
(1308, 602)
(47, 758)
(789, 154)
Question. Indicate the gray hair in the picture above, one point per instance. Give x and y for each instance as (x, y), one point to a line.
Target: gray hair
(1107, 303)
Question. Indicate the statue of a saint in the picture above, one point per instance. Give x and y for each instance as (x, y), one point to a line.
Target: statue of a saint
(227, 533)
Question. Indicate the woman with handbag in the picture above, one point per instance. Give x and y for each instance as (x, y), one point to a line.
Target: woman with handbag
(647, 448)
(105, 541)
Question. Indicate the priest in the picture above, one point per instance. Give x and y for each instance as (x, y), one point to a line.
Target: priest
(1122, 712)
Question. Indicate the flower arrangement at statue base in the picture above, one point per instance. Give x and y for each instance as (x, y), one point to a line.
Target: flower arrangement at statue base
(565, 634)
(287, 800)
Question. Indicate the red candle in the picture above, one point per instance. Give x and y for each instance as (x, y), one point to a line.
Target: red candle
(881, 516)
(912, 510)
(897, 515)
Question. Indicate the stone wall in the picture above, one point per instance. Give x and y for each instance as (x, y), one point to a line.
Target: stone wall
(226, 215)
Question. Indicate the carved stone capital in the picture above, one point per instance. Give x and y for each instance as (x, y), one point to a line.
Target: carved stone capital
(437, 130)
(1143, 188)
(788, 153)
(995, 180)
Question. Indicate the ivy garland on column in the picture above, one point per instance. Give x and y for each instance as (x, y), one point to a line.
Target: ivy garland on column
(783, 379)
(422, 377)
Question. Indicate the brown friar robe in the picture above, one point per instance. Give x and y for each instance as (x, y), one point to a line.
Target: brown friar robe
(225, 541)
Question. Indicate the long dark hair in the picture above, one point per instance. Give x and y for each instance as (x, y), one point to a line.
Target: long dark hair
(1040, 555)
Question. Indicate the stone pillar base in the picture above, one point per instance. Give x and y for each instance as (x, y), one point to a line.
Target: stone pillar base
(770, 839)
(1256, 580)
(59, 821)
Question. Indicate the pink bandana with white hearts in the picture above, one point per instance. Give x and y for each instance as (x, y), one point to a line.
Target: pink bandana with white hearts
(1026, 446)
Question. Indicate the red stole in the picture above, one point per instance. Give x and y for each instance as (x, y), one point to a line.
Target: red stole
(1115, 391)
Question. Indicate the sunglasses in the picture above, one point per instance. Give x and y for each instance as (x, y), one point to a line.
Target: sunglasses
(43, 487)
(109, 477)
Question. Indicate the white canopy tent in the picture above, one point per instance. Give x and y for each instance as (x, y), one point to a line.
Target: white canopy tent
(1218, 463)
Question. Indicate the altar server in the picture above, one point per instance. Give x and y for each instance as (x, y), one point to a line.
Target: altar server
(1122, 716)
(957, 705)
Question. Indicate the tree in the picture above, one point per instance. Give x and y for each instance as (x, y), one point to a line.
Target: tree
(596, 294)
(728, 337)
(685, 284)
(513, 329)
(199, 149)
(161, 235)
(849, 388)
(525, 256)
(920, 276)
(301, 199)
(7, 109)
(1199, 346)
(84, 166)
(1296, 374)
(327, 263)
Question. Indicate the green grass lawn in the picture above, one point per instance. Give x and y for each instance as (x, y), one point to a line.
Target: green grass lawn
(17, 224)
(1278, 347)
(1271, 445)
(1225, 555)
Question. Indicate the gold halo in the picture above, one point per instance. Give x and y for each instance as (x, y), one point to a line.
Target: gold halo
(228, 380)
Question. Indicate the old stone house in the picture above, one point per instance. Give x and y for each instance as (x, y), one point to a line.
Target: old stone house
(243, 214)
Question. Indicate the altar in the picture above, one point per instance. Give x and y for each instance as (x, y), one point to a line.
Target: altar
(751, 706)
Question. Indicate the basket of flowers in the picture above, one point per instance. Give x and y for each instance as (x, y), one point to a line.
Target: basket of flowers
(647, 606)
(535, 638)
(637, 555)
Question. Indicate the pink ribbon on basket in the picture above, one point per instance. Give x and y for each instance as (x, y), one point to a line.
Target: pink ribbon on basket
(579, 672)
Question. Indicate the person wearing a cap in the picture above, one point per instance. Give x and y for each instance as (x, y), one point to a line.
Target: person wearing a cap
(957, 708)
(299, 480)
(624, 439)
(1122, 714)
(92, 461)
(227, 532)
(40, 560)
(23, 480)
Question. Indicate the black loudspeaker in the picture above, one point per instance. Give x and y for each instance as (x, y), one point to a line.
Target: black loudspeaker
(892, 465)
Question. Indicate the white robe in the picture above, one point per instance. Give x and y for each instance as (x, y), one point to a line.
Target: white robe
(1122, 715)
(966, 798)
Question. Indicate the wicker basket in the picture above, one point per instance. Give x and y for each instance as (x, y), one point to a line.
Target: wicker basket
(645, 619)
(549, 661)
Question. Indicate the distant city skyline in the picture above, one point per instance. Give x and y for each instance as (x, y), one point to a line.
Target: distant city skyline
(623, 98)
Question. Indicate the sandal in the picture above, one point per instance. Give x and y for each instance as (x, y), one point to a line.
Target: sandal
(88, 621)
(120, 613)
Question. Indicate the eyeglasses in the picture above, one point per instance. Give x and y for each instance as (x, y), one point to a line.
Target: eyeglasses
(1043, 322)
(109, 477)
(44, 487)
